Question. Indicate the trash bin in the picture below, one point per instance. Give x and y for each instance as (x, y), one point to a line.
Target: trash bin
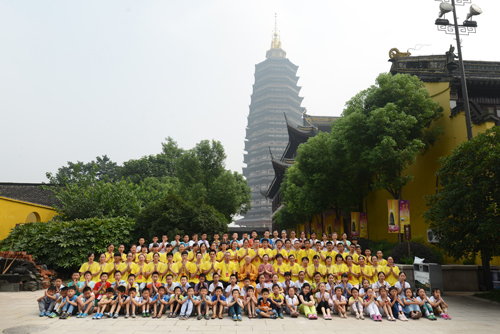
(428, 276)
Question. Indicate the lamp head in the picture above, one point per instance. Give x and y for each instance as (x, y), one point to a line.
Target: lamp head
(474, 10)
(444, 8)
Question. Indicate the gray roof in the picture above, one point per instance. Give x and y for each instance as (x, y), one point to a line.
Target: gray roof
(28, 192)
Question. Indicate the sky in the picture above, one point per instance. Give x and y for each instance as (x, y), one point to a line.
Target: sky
(80, 79)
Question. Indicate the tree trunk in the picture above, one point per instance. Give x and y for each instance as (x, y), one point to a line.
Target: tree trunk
(486, 272)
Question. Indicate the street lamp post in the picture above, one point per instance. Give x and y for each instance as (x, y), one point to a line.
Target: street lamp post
(466, 28)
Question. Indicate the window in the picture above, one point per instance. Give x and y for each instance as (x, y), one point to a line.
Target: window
(33, 217)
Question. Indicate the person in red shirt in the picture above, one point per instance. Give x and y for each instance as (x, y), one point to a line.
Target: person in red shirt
(100, 287)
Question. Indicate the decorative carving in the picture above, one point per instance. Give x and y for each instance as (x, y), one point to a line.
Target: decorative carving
(450, 30)
(394, 53)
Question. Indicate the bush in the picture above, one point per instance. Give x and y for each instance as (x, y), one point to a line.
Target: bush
(400, 252)
(173, 215)
(65, 245)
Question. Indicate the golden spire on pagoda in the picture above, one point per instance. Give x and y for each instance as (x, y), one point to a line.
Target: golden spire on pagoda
(276, 50)
(276, 42)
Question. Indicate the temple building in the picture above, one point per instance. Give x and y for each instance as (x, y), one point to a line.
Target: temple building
(297, 134)
(275, 93)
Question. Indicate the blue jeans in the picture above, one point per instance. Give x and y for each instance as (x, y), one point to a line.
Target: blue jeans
(68, 308)
(257, 311)
(186, 308)
(235, 309)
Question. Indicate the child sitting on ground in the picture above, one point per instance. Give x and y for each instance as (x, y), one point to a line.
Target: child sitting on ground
(47, 301)
(292, 303)
(322, 299)
(235, 305)
(118, 303)
(132, 302)
(425, 304)
(411, 305)
(175, 300)
(277, 300)
(356, 304)
(203, 303)
(438, 304)
(218, 302)
(69, 304)
(187, 304)
(307, 304)
(144, 303)
(250, 302)
(57, 307)
(385, 304)
(264, 308)
(159, 302)
(85, 303)
(104, 304)
(371, 306)
(339, 302)
(396, 304)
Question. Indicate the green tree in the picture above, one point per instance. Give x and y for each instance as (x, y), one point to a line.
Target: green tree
(155, 165)
(465, 213)
(102, 168)
(202, 174)
(173, 215)
(86, 197)
(386, 126)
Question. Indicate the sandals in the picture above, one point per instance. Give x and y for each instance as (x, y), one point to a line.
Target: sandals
(207, 317)
(214, 316)
(220, 316)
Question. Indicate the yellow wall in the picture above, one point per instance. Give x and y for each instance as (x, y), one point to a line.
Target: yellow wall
(424, 171)
(14, 212)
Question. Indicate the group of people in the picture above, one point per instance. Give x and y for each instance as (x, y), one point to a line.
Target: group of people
(266, 277)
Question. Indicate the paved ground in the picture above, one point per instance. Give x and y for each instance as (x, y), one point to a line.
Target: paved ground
(20, 308)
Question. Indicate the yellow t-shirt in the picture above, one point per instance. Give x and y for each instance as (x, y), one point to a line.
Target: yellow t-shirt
(331, 254)
(182, 272)
(279, 298)
(367, 270)
(309, 254)
(192, 269)
(235, 259)
(99, 267)
(124, 265)
(140, 278)
(220, 256)
(85, 267)
(226, 270)
(353, 279)
(110, 257)
(242, 252)
(330, 270)
(282, 252)
(283, 268)
(137, 257)
(110, 269)
(178, 257)
(382, 262)
(355, 257)
(376, 271)
(191, 256)
(173, 266)
(150, 267)
(295, 269)
(163, 257)
(391, 279)
(206, 266)
(311, 271)
(341, 269)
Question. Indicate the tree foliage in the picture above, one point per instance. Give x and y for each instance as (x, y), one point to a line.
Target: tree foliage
(465, 213)
(173, 215)
(66, 244)
(386, 126)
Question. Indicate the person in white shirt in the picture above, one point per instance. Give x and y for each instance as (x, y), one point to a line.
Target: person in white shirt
(215, 284)
(313, 241)
(275, 237)
(293, 237)
(231, 286)
(155, 241)
(194, 241)
(402, 285)
(204, 241)
(292, 303)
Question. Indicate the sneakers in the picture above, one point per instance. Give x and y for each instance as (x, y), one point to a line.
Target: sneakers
(361, 316)
(239, 318)
(42, 314)
(379, 318)
(357, 316)
(79, 315)
(115, 316)
(84, 315)
(52, 315)
(281, 316)
(199, 317)
(235, 318)
(64, 316)
(133, 315)
(127, 315)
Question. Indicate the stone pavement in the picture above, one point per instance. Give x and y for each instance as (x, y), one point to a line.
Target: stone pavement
(20, 309)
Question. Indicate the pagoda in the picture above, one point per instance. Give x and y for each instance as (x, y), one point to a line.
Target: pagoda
(275, 94)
